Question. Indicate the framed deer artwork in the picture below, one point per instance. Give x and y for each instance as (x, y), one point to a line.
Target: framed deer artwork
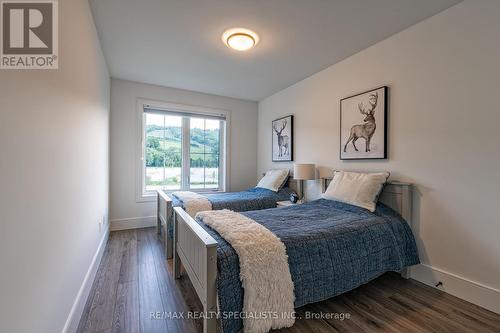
(363, 125)
(282, 142)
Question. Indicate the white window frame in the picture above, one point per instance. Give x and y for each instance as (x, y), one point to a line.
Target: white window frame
(141, 195)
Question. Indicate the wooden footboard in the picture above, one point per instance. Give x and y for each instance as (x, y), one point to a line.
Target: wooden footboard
(164, 221)
(197, 251)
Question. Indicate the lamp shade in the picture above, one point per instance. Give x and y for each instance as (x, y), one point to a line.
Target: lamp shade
(304, 171)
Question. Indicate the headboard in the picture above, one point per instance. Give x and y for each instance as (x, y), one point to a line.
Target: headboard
(396, 195)
(293, 184)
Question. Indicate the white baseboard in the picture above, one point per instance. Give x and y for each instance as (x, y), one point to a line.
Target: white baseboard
(133, 223)
(471, 291)
(75, 314)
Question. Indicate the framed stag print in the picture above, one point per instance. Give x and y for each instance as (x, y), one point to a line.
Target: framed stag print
(363, 125)
(282, 142)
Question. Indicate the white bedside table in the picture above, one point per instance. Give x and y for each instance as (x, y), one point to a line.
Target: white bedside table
(288, 203)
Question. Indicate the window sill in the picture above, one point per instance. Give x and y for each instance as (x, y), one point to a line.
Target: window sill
(150, 197)
(207, 191)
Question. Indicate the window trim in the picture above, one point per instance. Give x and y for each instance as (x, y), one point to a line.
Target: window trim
(141, 196)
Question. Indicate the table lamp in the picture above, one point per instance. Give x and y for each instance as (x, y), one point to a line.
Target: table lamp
(301, 172)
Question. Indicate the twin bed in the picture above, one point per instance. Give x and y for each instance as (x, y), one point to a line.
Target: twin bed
(331, 247)
(252, 199)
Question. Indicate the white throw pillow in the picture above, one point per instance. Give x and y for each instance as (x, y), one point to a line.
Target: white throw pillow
(355, 188)
(273, 179)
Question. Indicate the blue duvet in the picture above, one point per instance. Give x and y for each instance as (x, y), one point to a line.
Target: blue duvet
(332, 248)
(252, 199)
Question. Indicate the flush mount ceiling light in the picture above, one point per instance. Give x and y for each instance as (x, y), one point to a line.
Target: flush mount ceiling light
(240, 39)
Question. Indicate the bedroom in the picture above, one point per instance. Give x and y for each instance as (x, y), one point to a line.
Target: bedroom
(148, 95)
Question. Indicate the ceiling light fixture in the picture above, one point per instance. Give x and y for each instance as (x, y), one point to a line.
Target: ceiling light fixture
(240, 39)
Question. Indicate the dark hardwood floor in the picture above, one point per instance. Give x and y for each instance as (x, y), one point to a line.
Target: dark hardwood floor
(134, 280)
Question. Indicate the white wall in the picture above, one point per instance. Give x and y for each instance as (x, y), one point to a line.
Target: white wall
(444, 79)
(54, 128)
(124, 210)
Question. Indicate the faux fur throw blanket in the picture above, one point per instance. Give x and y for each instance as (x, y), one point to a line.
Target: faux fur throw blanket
(264, 272)
(193, 202)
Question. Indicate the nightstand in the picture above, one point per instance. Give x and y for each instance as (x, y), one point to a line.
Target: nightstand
(288, 203)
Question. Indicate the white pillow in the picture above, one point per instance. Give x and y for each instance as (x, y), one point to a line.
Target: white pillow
(273, 179)
(358, 189)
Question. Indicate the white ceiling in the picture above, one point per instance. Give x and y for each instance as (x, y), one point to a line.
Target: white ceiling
(178, 43)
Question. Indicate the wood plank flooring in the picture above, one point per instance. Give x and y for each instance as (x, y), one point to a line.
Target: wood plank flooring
(134, 280)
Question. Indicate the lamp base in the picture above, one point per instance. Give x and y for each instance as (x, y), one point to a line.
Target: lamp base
(301, 190)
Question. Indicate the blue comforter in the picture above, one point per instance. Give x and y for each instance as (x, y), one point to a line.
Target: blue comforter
(332, 248)
(252, 199)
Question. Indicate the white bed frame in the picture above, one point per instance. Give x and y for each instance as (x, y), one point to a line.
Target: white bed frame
(197, 250)
(165, 215)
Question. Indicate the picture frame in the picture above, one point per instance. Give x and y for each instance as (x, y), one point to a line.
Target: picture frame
(282, 139)
(363, 117)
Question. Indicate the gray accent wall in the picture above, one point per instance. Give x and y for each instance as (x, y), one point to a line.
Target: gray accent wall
(444, 81)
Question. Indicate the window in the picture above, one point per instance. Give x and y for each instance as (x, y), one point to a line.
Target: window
(204, 162)
(163, 152)
(181, 149)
